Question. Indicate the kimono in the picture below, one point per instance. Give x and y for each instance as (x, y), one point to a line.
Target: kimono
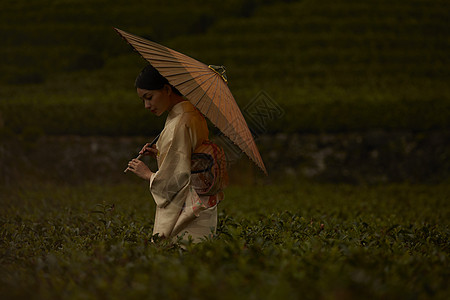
(179, 209)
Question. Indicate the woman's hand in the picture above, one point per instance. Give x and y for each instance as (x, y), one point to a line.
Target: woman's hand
(139, 168)
(149, 150)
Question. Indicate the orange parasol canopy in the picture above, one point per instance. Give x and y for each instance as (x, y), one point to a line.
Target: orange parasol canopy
(204, 86)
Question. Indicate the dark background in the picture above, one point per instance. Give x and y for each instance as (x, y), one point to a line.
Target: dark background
(363, 86)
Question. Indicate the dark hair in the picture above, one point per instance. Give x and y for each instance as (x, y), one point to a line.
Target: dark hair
(151, 79)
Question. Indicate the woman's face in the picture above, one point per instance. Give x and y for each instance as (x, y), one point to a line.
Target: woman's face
(157, 101)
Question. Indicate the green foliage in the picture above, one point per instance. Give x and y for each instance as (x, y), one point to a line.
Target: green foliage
(305, 110)
(45, 36)
(291, 240)
(332, 66)
(105, 114)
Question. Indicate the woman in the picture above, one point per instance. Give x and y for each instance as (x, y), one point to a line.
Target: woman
(180, 211)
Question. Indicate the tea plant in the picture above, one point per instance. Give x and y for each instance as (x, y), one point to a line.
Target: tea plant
(292, 240)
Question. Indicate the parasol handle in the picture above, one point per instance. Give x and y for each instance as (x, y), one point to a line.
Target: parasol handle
(151, 144)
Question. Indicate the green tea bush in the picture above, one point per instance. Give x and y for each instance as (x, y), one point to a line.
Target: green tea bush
(88, 24)
(331, 67)
(295, 240)
(309, 111)
(111, 114)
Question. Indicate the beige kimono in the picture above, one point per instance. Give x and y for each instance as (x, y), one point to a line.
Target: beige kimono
(179, 208)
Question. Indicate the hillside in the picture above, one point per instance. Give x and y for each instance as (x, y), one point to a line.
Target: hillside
(331, 66)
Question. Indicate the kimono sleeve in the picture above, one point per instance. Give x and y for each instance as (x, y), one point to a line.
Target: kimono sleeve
(170, 184)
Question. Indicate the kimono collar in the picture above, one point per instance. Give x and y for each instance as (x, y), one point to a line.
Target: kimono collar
(181, 107)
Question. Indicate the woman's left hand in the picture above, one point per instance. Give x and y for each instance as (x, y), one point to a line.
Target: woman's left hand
(139, 168)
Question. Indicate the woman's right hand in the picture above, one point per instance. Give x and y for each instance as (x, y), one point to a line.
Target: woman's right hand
(149, 150)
